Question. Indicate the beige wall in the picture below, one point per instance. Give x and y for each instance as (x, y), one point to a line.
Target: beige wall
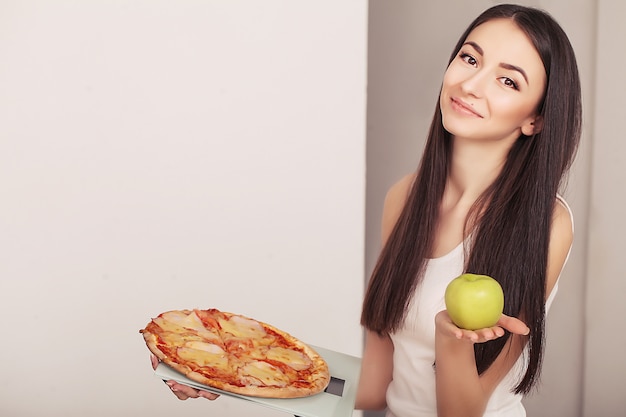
(605, 364)
(409, 44)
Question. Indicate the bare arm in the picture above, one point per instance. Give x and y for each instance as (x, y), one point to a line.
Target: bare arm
(460, 390)
(376, 371)
(377, 362)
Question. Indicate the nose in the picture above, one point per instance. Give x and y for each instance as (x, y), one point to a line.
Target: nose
(474, 84)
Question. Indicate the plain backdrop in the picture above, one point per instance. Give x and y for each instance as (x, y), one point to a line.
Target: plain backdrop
(160, 155)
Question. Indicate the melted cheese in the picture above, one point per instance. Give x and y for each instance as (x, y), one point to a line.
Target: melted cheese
(176, 319)
(262, 373)
(295, 359)
(188, 321)
(176, 339)
(168, 326)
(204, 355)
(205, 347)
(242, 327)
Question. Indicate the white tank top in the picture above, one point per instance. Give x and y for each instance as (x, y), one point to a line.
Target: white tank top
(411, 393)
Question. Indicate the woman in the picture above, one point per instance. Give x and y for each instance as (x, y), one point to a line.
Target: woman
(484, 200)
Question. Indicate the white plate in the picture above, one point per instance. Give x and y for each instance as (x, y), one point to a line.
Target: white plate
(336, 401)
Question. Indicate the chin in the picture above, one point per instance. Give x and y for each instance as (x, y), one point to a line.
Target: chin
(451, 126)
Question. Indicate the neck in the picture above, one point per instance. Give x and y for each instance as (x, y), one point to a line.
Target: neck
(475, 165)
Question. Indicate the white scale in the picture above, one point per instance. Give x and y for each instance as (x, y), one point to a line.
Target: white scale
(337, 400)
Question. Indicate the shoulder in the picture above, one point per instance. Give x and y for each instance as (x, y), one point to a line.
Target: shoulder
(394, 203)
(562, 223)
(561, 239)
(397, 194)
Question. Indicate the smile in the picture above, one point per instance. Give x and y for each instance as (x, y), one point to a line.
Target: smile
(461, 107)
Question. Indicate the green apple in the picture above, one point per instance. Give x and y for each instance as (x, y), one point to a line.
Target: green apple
(474, 301)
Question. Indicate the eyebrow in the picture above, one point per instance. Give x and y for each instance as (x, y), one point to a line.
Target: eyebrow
(502, 64)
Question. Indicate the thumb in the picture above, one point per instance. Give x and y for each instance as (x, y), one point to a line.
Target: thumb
(513, 325)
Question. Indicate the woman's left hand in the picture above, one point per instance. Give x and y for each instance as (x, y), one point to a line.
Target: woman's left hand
(445, 326)
(183, 392)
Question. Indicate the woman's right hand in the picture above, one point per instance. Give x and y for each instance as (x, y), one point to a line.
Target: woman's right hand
(445, 326)
(182, 392)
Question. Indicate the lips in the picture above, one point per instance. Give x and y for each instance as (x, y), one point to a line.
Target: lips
(461, 107)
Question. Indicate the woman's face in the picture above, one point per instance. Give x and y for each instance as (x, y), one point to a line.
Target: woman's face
(492, 88)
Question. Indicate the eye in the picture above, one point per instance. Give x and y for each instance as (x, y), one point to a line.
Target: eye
(468, 58)
(509, 83)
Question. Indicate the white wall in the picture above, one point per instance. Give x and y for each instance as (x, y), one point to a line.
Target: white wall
(161, 155)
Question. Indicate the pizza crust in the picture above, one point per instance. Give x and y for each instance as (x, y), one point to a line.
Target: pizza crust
(279, 375)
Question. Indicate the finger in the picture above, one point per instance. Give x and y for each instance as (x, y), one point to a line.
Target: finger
(154, 360)
(185, 391)
(182, 391)
(208, 395)
(483, 335)
(180, 395)
(513, 325)
(171, 385)
(472, 336)
(491, 333)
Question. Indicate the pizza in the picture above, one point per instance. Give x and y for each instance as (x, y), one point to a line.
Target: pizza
(236, 354)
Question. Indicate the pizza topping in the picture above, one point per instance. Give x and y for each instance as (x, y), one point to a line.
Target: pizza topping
(262, 373)
(187, 321)
(293, 358)
(243, 327)
(206, 347)
(235, 353)
(169, 326)
(202, 357)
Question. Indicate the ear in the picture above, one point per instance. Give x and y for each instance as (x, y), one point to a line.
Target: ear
(533, 126)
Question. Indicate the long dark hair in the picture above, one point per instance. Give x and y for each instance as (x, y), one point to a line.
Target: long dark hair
(511, 232)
